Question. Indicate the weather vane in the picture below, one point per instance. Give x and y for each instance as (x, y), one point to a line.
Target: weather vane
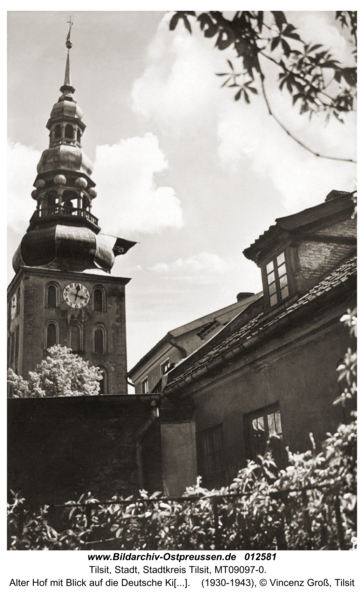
(68, 40)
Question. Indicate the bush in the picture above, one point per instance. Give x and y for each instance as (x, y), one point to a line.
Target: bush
(309, 505)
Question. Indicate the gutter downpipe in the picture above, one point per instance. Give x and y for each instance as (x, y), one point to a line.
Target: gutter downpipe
(171, 340)
(139, 444)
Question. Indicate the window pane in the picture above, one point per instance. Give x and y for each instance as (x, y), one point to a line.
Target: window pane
(271, 277)
(273, 300)
(277, 417)
(51, 335)
(271, 423)
(285, 293)
(98, 300)
(280, 259)
(272, 288)
(51, 297)
(270, 267)
(282, 270)
(283, 281)
(99, 341)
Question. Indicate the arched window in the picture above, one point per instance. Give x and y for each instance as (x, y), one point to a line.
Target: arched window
(69, 132)
(98, 300)
(76, 338)
(57, 132)
(52, 297)
(100, 339)
(51, 335)
(18, 302)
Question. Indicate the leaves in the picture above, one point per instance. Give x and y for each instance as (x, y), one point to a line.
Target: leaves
(62, 373)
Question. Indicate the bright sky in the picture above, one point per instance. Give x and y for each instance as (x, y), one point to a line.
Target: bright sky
(179, 166)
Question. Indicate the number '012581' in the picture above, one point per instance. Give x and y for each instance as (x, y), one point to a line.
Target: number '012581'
(260, 556)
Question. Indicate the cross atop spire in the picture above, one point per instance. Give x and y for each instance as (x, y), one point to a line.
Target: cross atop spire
(67, 86)
(68, 40)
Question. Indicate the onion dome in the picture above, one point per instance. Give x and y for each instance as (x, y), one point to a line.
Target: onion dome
(69, 158)
(64, 247)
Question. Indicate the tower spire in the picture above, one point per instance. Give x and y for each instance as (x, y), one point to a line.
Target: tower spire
(67, 87)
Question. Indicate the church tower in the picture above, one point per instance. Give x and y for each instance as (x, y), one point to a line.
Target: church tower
(62, 292)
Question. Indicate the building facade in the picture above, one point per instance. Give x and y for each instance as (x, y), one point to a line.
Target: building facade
(62, 292)
(272, 370)
(149, 374)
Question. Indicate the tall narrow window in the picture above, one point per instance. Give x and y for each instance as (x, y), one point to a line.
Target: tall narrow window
(99, 340)
(69, 132)
(12, 348)
(78, 136)
(76, 338)
(210, 456)
(98, 300)
(276, 273)
(18, 302)
(57, 132)
(145, 386)
(52, 296)
(51, 335)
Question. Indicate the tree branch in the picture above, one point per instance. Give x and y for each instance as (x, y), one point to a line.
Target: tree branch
(294, 137)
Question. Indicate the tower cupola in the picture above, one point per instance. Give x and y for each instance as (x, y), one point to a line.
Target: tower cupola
(63, 231)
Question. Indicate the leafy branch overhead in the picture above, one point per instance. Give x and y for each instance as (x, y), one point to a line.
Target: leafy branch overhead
(316, 81)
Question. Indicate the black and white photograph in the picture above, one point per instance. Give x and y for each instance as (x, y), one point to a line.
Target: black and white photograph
(182, 293)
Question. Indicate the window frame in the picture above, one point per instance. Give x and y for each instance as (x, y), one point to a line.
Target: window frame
(100, 327)
(251, 446)
(103, 298)
(207, 437)
(55, 323)
(277, 277)
(145, 384)
(58, 294)
(165, 362)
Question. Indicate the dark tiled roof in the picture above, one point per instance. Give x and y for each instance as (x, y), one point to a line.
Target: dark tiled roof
(258, 324)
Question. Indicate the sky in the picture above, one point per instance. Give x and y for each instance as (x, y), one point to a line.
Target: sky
(181, 168)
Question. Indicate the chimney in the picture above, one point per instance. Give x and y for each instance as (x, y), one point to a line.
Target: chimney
(242, 295)
(335, 194)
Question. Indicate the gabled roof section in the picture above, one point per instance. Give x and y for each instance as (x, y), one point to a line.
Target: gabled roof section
(258, 328)
(197, 324)
(335, 207)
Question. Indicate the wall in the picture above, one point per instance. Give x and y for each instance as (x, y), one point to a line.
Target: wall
(59, 448)
(34, 316)
(178, 457)
(297, 369)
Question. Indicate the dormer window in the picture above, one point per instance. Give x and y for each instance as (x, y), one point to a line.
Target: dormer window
(276, 273)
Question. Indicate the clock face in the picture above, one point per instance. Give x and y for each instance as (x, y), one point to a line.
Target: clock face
(76, 295)
(13, 306)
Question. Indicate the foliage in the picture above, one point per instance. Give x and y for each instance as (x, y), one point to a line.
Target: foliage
(262, 511)
(315, 80)
(62, 373)
(347, 369)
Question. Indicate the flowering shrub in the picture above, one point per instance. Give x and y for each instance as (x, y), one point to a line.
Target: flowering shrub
(309, 505)
(62, 373)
